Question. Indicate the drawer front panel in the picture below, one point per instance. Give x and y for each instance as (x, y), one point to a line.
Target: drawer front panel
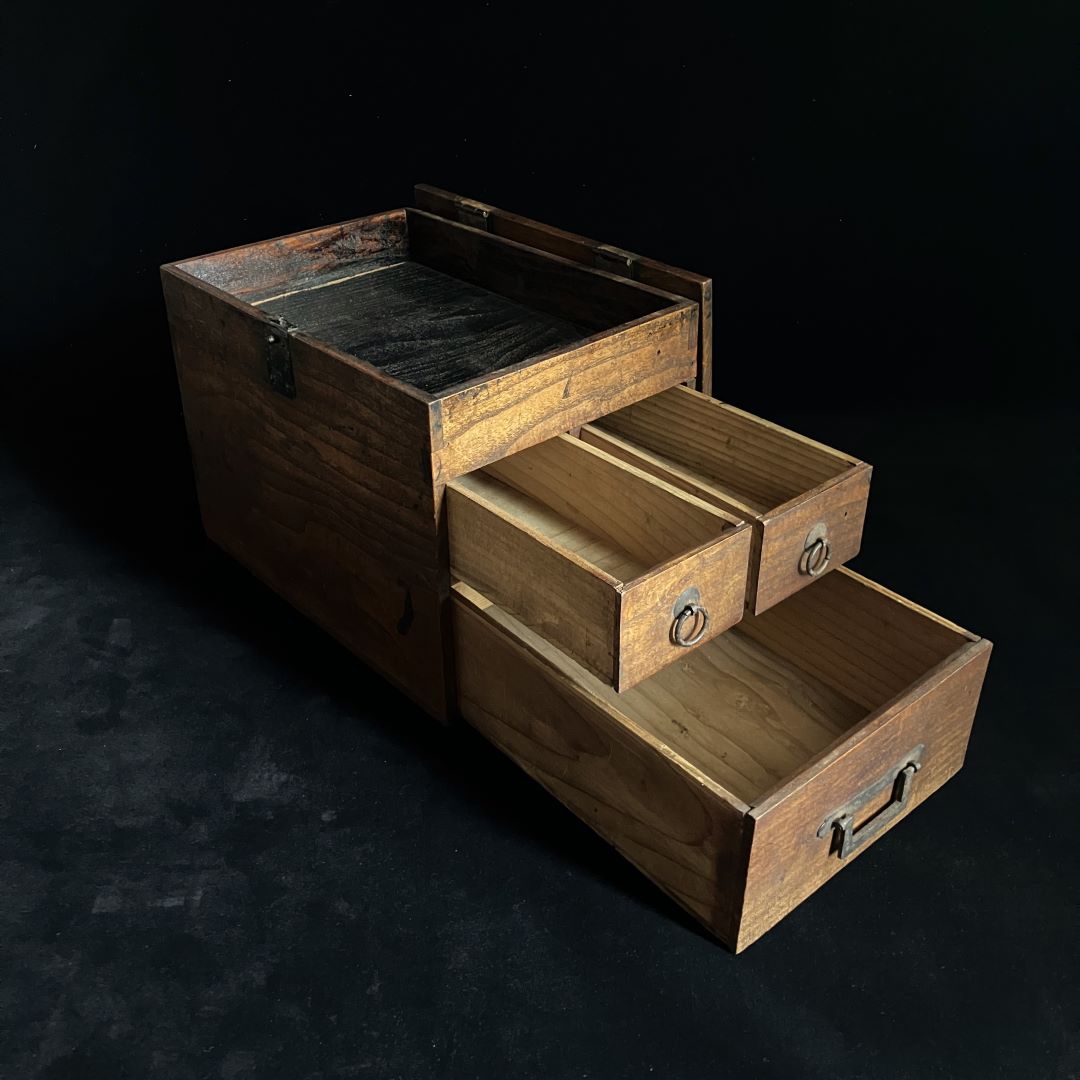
(796, 844)
(622, 571)
(661, 816)
(807, 502)
(830, 518)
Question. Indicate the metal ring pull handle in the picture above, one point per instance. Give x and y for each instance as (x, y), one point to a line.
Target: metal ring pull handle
(692, 616)
(816, 551)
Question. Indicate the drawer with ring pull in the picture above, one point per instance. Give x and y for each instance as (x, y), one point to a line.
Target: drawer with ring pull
(623, 571)
(806, 502)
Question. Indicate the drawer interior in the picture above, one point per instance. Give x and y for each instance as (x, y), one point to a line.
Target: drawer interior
(739, 459)
(753, 708)
(432, 303)
(609, 516)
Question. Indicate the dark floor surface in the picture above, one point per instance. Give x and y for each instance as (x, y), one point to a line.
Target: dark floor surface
(229, 850)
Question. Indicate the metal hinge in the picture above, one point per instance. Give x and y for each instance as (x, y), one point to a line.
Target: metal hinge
(279, 371)
(615, 261)
(475, 214)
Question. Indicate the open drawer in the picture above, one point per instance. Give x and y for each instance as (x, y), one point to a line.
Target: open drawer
(806, 502)
(621, 570)
(744, 777)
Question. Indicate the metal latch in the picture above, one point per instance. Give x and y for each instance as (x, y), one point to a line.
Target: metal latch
(615, 261)
(279, 370)
(475, 214)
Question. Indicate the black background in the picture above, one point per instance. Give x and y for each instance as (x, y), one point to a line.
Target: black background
(228, 849)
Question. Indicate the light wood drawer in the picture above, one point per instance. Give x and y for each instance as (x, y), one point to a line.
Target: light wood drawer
(744, 777)
(806, 502)
(623, 571)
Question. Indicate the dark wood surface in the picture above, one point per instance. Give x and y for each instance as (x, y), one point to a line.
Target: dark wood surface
(579, 249)
(422, 326)
(256, 271)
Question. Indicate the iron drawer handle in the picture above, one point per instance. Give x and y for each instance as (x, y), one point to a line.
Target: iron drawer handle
(816, 551)
(695, 615)
(847, 836)
(816, 557)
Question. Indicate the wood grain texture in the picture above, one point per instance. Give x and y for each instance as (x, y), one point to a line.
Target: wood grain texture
(663, 815)
(421, 326)
(643, 516)
(776, 743)
(858, 637)
(593, 554)
(745, 717)
(788, 861)
(562, 596)
(335, 497)
(255, 271)
(591, 298)
(839, 505)
(695, 287)
(648, 604)
(784, 483)
(327, 497)
(523, 406)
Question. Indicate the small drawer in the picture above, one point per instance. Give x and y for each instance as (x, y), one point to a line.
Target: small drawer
(618, 568)
(743, 778)
(806, 502)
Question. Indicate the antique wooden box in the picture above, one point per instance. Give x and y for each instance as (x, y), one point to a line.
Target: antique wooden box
(481, 452)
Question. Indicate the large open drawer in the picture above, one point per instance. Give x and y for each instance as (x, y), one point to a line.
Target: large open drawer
(743, 777)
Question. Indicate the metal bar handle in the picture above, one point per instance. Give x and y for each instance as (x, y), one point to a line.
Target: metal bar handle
(848, 835)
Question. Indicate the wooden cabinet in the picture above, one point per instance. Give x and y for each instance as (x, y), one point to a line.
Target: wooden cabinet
(464, 444)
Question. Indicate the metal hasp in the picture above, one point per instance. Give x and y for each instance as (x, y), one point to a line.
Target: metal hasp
(615, 261)
(847, 836)
(279, 371)
(475, 214)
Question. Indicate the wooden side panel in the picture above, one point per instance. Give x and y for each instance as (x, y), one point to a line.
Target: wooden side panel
(666, 819)
(693, 286)
(526, 405)
(326, 497)
(858, 637)
(255, 271)
(558, 596)
(788, 860)
(662, 469)
(717, 571)
(758, 463)
(650, 520)
(840, 506)
(590, 298)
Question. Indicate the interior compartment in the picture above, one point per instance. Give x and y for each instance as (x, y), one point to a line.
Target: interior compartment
(432, 303)
(745, 462)
(755, 706)
(610, 517)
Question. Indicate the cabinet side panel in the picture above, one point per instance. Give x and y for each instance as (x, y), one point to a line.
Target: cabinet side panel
(326, 497)
(670, 826)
